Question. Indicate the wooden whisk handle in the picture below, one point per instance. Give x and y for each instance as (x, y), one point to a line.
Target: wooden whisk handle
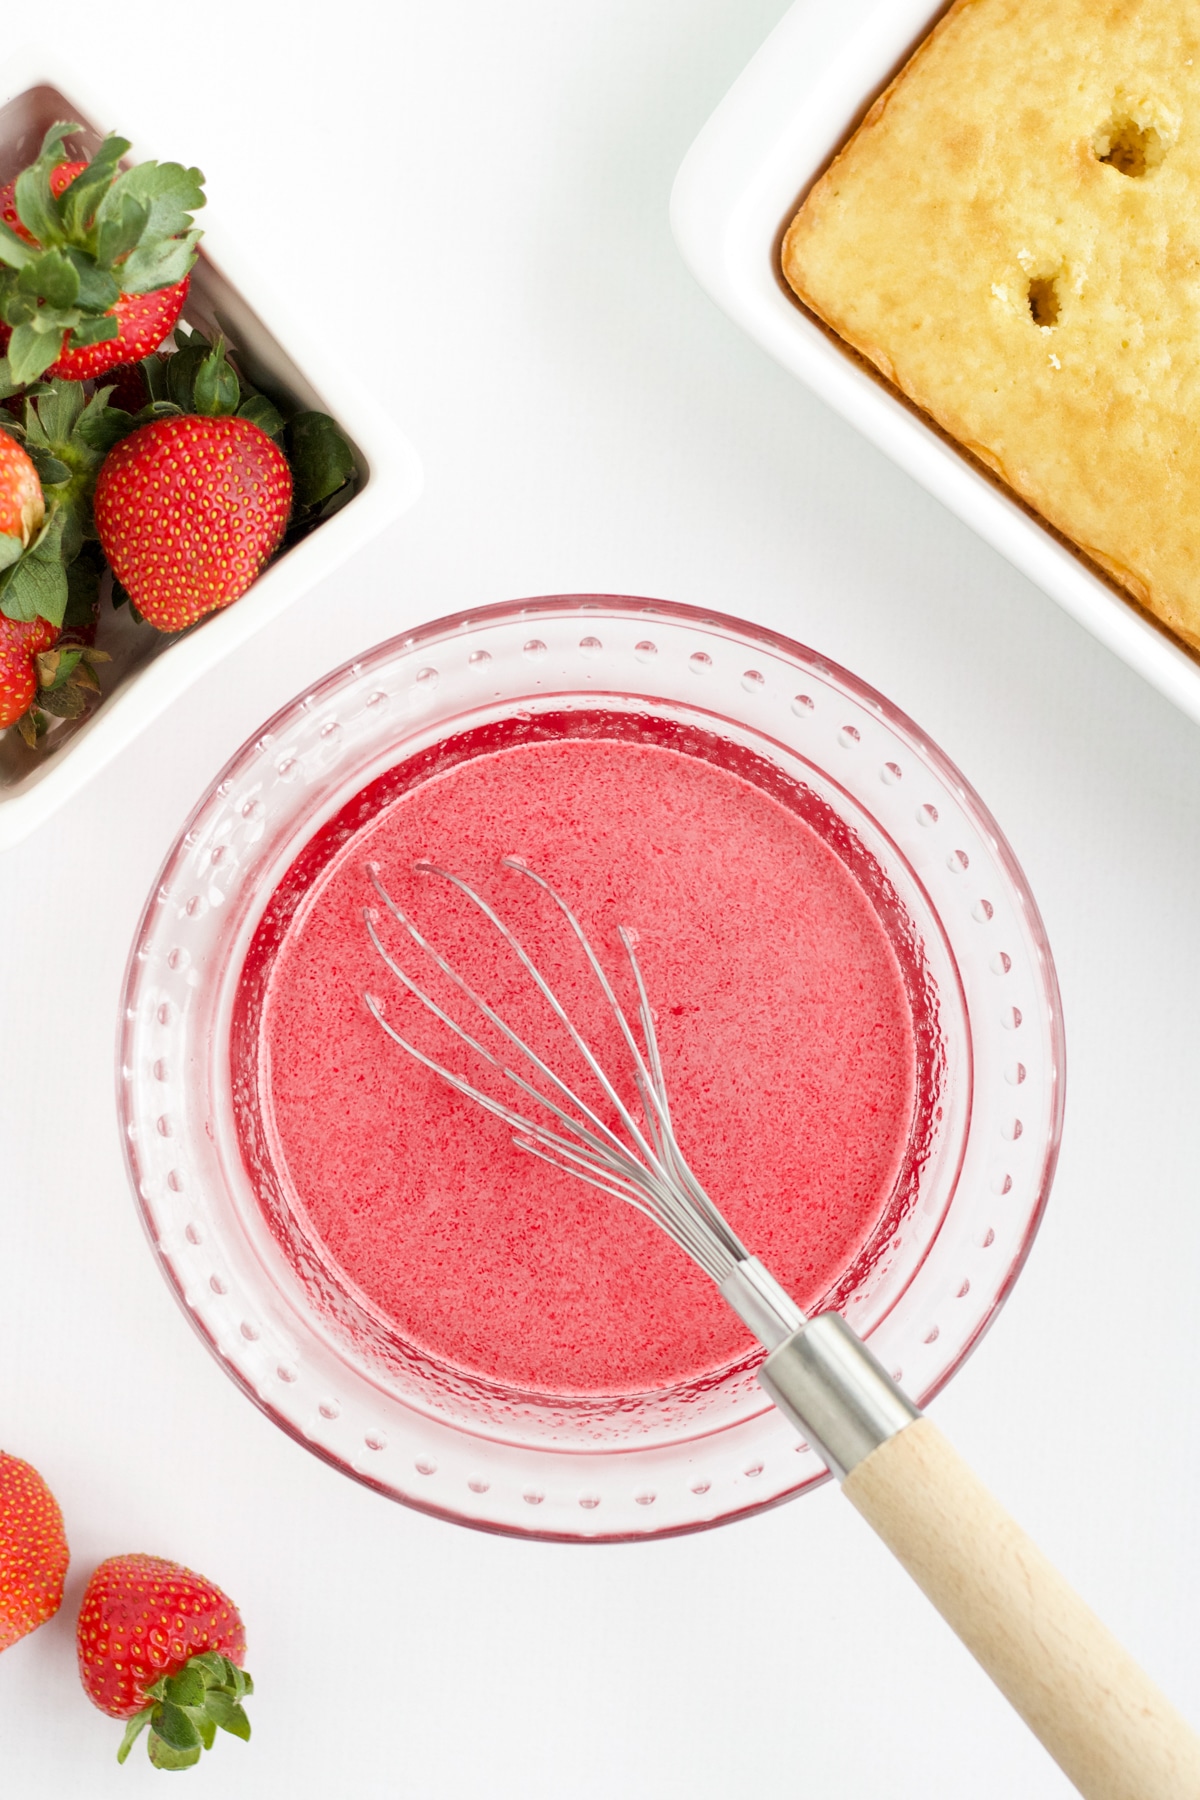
(1101, 1718)
(1104, 1722)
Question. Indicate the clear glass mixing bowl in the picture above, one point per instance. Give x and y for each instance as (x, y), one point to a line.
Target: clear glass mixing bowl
(947, 888)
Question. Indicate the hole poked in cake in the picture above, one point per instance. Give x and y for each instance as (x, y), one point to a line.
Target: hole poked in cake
(1044, 301)
(1130, 145)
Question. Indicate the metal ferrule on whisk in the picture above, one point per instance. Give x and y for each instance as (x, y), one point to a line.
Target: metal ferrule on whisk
(818, 1372)
(825, 1380)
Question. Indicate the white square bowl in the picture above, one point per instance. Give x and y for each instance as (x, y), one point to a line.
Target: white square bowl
(282, 353)
(739, 187)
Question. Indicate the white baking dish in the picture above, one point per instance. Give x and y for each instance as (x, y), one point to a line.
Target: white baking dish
(284, 353)
(738, 188)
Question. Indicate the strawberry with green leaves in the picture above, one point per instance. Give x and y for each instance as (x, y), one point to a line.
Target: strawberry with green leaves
(162, 1647)
(95, 260)
(190, 505)
(186, 492)
(33, 1550)
(179, 477)
(49, 569)
(21, 643)
(189, 509)
(52, 428)
(22, 638)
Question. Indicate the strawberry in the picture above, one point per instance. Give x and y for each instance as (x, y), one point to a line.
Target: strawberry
(56, 574)
(20, 641)
(33, 1547)
(143, 320)
(188, 509)
(162, 1647)
(96, 259)
(22, 506)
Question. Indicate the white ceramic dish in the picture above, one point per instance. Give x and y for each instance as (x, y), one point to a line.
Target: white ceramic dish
(286, 356)
(738, 188)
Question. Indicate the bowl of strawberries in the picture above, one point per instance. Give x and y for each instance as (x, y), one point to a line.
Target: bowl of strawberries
(178, 463)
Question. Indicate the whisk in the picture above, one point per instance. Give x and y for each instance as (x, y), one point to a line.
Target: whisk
(1108, 1727)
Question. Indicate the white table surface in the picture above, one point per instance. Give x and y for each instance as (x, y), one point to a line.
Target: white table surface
(590, 422)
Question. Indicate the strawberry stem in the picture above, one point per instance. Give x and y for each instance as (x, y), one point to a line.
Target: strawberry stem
(188, 1708)
(216, 391)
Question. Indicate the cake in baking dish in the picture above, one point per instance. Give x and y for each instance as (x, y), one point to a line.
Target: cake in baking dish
(1012, 237)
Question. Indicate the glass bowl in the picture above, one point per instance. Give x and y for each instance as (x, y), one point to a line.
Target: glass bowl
(946, 887)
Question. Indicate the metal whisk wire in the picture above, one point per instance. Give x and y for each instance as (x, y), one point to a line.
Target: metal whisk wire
(646, 1168)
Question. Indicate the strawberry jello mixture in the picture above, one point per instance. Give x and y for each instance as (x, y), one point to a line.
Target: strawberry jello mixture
(784, 1020)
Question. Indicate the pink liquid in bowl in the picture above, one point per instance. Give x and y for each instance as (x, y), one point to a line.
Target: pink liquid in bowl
(796, 1053)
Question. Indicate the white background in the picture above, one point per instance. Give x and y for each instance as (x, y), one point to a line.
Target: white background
(473, 201)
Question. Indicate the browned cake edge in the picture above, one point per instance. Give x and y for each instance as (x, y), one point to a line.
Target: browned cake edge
(874, 358)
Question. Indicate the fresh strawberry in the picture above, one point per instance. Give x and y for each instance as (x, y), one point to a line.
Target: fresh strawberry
(22, 506)
(143, 320)
(20, 641)
(188, 510)
(33, 1547)
(161, 1646)
(56, 575)
(100, 252)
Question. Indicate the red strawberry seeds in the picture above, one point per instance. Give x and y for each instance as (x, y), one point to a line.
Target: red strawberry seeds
(188, 510)
(33, 1551)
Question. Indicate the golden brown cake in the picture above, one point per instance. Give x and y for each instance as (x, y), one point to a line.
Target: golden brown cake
(1013, 237)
